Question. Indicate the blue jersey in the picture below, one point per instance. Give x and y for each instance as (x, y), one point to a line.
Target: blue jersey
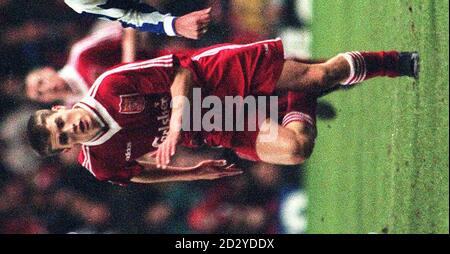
(131, 13)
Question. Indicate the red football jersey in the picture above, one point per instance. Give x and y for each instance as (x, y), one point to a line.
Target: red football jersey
(133, 103)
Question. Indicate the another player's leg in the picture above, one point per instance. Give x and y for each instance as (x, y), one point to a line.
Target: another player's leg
(347, 69)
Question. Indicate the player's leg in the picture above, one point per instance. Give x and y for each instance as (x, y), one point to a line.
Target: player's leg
(307, 60)
(313, 78)
(297, 131)
(320, 61)
(292, 144)
(347, 69)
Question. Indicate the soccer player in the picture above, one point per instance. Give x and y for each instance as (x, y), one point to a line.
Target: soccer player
(88, 58)
(133, 13)
(127, 119)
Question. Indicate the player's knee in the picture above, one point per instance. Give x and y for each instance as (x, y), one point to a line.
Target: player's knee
(300, 149)
(307, 142)
(295, 156)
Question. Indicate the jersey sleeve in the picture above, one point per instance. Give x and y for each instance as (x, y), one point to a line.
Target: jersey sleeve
(143, 78)
(129, 13)
(111, 169)
(105, 40)
(96, 53)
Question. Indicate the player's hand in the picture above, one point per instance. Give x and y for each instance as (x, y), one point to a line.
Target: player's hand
(167, 149)
(194, 24)
(216, 170)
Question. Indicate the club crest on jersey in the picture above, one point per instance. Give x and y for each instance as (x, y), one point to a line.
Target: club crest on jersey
(131, 103)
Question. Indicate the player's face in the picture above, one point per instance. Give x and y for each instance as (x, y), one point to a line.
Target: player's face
(70, 126)
(45, 85)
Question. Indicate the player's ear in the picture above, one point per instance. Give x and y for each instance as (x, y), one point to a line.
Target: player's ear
(66, 150)
(58, 107)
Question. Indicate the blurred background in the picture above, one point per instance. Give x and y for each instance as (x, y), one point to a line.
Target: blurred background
(58, 196)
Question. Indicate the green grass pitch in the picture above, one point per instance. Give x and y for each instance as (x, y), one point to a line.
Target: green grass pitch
(382, 164)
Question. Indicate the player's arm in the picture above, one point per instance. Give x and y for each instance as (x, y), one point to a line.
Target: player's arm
(129, 13)
(144, 17)
(128, 45)
(186, 165)
(180, 91)
(98, 44)
(186, 158)
(211, 172)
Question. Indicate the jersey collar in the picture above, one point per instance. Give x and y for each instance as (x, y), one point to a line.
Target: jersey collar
(74, 80)
(103, 117)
